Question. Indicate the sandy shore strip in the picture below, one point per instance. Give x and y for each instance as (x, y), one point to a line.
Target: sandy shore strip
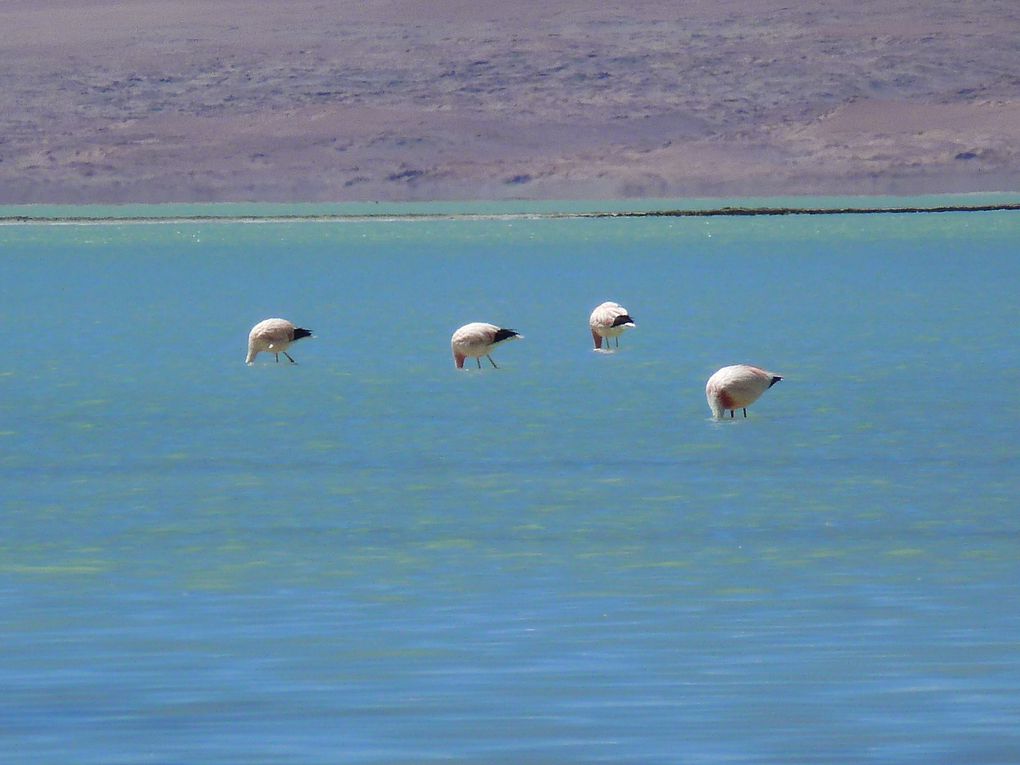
(230, 101)
(355, 213)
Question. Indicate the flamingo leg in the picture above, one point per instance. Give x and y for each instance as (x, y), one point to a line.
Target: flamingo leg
(745, 414)
(490, 361)
(277, 357)
(479, 360)
(288, 356)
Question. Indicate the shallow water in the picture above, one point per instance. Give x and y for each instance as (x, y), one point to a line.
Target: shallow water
(369, 557)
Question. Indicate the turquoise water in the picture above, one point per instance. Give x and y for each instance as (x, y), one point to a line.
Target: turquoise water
(369, 557)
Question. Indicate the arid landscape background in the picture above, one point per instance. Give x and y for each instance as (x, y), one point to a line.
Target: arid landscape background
(307, 100)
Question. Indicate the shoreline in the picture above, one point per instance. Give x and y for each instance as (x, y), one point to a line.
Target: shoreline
(18, 215)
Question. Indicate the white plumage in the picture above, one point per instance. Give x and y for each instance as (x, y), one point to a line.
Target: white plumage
(737, 387)
(478, 339)
(273, 336)
(609, 320)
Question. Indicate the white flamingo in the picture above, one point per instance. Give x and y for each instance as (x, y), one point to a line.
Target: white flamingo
(273, 336)
(609, 320)
(478, 339)
(737, 387)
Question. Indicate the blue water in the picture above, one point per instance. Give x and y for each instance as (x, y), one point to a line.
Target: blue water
(369, 557)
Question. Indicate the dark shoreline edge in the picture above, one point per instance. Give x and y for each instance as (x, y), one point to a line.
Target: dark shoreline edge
(360, 217)
(764, 211)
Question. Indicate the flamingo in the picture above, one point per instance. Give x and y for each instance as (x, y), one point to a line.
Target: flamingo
(273, 336)
(478, 339)
(737, 387)
(609, 320)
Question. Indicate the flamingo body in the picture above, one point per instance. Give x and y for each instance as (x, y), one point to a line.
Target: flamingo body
(737, 387)
(477, 339)
(607, 321)
(273, 336)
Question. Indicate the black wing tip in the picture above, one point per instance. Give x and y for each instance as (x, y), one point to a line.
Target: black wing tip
(621, 320)
(775, 379)
(505, 334)
(300, 332)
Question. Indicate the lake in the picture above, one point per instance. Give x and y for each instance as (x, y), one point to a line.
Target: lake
(371, 557)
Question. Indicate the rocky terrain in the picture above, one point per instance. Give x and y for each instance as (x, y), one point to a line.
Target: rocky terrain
(309, 100)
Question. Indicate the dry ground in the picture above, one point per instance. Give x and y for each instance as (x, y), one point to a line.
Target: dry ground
(311, 100)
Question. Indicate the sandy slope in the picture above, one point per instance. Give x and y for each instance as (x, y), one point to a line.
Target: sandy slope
(160, 100)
